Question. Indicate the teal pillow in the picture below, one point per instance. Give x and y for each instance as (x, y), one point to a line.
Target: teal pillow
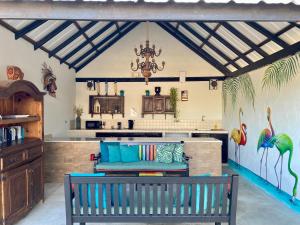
(104, 150)
(129, 153)
(164, 153)
(177, 152)
(114, 153)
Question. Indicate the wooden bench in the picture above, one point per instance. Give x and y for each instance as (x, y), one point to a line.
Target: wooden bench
(151, 199)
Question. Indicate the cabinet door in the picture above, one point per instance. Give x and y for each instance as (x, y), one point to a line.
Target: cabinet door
(36, 186)
(114, 105)
(159, 105)
(148, 104)
(168, 106)
(15, 192)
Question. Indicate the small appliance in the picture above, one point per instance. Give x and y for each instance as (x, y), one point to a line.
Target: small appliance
(93, 125)
(130, 124)
(119, 125)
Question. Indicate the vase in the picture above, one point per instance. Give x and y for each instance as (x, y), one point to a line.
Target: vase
(147, 93)
(78, 123)
(157, 91)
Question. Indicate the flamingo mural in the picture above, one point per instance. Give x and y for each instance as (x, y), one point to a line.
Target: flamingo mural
(284, 144)
(264, 142)
(239, 136)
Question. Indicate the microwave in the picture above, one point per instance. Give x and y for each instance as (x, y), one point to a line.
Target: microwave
(93, 125)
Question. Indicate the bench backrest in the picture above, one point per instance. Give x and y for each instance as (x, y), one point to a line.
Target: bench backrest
(151, 199)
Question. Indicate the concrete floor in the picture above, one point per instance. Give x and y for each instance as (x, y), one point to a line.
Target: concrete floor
(254, 208)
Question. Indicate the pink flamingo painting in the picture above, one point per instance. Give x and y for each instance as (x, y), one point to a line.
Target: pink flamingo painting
(239, 136)
(264, 141)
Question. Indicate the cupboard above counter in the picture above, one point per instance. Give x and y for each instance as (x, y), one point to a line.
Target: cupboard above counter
(159, 104)
(106, 104)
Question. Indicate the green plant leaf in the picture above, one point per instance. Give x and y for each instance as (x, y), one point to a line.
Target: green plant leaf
(237, 87)
(281, 72)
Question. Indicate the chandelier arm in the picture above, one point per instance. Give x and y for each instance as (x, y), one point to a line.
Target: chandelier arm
(134, 69)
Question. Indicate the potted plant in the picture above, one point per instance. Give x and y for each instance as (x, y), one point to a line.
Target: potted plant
(173, 101)
(78, 111)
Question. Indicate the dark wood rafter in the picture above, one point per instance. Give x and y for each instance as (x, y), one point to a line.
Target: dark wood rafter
(277, 34)
(224, 42)
(209, 35)
(192, 46)
(28, 39)
(82, 45)
(290, 50)
(84, 34)
(245, 39)
(268, 34)
(110, 43)
(205, 41)
(72, 38)
(98, 45)
(52, 34)
(25, 30)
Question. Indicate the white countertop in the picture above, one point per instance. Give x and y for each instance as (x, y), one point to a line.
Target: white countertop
(135, 140)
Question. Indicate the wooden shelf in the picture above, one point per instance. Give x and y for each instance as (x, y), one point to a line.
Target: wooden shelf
(19, 120)
(21, 143)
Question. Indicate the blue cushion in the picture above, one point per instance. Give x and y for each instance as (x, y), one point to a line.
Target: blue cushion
(114, 153)
(104, 150)
(89, 188)
(129, 153)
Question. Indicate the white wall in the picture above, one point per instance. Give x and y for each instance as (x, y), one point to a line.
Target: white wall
(115, 62)
(285, 106)
(58, 111)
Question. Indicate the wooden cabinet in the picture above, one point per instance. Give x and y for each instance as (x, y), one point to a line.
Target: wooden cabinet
(157, 105)
(106, 104)
(21, 165)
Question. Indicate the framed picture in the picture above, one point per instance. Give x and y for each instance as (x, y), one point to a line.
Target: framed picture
(184, 95)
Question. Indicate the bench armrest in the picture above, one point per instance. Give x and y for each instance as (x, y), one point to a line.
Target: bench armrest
(185, 158)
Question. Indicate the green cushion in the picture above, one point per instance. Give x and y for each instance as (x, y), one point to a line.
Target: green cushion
(177, 153)
(114, 153)
(141, 165)
(129, 153)
(164, 153)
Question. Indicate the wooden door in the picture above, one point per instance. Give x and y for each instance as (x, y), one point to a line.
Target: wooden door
(15, 193)
(36, 186)
(159, 104)
(148, 104)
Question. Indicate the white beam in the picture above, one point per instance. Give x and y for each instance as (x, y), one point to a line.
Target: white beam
(148, 11)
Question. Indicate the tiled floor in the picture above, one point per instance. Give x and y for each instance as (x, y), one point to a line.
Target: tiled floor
(254, 208)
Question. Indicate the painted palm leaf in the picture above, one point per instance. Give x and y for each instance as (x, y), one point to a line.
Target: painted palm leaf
(237, 87)
(281, 72)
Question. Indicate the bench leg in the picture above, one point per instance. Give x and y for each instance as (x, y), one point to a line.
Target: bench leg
(217, 223)
(81, 223)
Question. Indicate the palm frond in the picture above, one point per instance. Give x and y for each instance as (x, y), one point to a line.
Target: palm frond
(281, 72)
(234, 86)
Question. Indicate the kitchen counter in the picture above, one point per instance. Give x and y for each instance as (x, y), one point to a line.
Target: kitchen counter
(163, 132)
(135, 140)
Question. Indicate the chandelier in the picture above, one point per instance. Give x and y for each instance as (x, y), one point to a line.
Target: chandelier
(148, 66)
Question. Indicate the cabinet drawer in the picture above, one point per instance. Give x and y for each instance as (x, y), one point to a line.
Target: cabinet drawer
(34, 152)
(12, 160)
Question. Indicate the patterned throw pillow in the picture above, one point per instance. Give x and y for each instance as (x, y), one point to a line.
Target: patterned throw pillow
(177, 153)
(164, 153)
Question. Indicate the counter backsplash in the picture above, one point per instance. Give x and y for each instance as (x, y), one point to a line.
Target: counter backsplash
(162, 124)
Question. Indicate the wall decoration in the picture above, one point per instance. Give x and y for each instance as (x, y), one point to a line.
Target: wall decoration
(90, 84)
(106, 88)
(184, 95)
(213, 84)
(281, 72)
(116, 88)
(233, 86)
(157, 91)
(284, 144)
(49, 80)
(239, 136)
(98, 87)
(14, 73)
(147, 92)
(264, 142)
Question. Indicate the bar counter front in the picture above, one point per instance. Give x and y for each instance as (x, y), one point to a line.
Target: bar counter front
(66, 155)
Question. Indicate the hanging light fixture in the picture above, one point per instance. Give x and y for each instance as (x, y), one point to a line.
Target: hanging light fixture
(148, 66)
